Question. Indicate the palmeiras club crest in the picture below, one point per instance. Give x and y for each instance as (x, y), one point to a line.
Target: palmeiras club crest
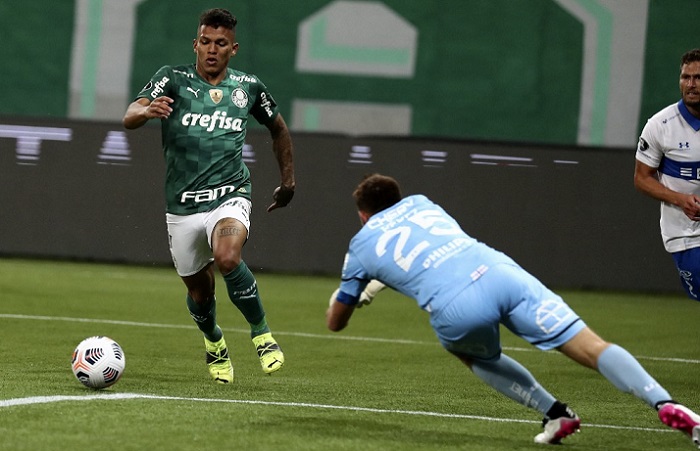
(239, 98)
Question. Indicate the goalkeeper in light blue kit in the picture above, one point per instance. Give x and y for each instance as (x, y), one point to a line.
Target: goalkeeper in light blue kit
(468, 288)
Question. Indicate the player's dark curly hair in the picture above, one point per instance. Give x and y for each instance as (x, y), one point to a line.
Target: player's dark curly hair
(218, 17)
(690, 56)
(376, 192)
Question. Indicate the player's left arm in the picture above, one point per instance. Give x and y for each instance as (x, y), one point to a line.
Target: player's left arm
(338, 315)
(284, 152)
(341, 309)
(646, 180)
(142, 110)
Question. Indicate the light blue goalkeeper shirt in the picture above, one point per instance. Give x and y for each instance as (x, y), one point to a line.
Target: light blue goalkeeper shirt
(418, 249)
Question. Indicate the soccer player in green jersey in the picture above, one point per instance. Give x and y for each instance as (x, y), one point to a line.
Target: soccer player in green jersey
(203, 109)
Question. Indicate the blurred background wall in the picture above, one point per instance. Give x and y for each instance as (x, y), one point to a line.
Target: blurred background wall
(586, 72)
(522, 116)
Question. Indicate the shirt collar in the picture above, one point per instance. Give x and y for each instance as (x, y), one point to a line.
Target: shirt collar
(688, 116)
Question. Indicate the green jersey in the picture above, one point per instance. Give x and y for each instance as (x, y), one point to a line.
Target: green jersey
(203, 137)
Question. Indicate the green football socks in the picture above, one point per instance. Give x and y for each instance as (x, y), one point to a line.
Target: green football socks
(204, 315)
(243, 291)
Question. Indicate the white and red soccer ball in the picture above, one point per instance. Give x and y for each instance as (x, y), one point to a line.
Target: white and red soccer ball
(98, 362)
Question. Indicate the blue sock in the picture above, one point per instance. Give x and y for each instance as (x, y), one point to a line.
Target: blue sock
(624, 372)
(515, 381)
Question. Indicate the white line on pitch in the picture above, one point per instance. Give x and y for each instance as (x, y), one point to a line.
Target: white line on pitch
(122, 396)
(294, 334)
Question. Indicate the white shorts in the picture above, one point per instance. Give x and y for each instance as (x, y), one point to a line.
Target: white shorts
(190, 236)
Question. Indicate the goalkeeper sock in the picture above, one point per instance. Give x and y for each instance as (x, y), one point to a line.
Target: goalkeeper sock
(624, 372)
(558, 410)
(515, 381)
(204, 315)
(243, 291)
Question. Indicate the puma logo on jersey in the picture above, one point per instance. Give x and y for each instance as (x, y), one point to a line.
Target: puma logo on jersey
(196, 93)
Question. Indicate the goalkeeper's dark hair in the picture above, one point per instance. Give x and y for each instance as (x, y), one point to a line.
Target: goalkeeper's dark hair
(376, 192)
(218, 17)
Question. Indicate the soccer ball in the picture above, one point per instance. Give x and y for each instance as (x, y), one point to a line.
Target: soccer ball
(98, 362)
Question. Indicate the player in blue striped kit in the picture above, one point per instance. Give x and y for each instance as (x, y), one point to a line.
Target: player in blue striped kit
(668, 169)
(468, 288)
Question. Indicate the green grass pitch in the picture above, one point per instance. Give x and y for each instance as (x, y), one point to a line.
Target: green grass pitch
(382, 384)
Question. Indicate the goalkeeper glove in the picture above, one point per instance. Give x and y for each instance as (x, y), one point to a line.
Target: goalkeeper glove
(373, 287)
